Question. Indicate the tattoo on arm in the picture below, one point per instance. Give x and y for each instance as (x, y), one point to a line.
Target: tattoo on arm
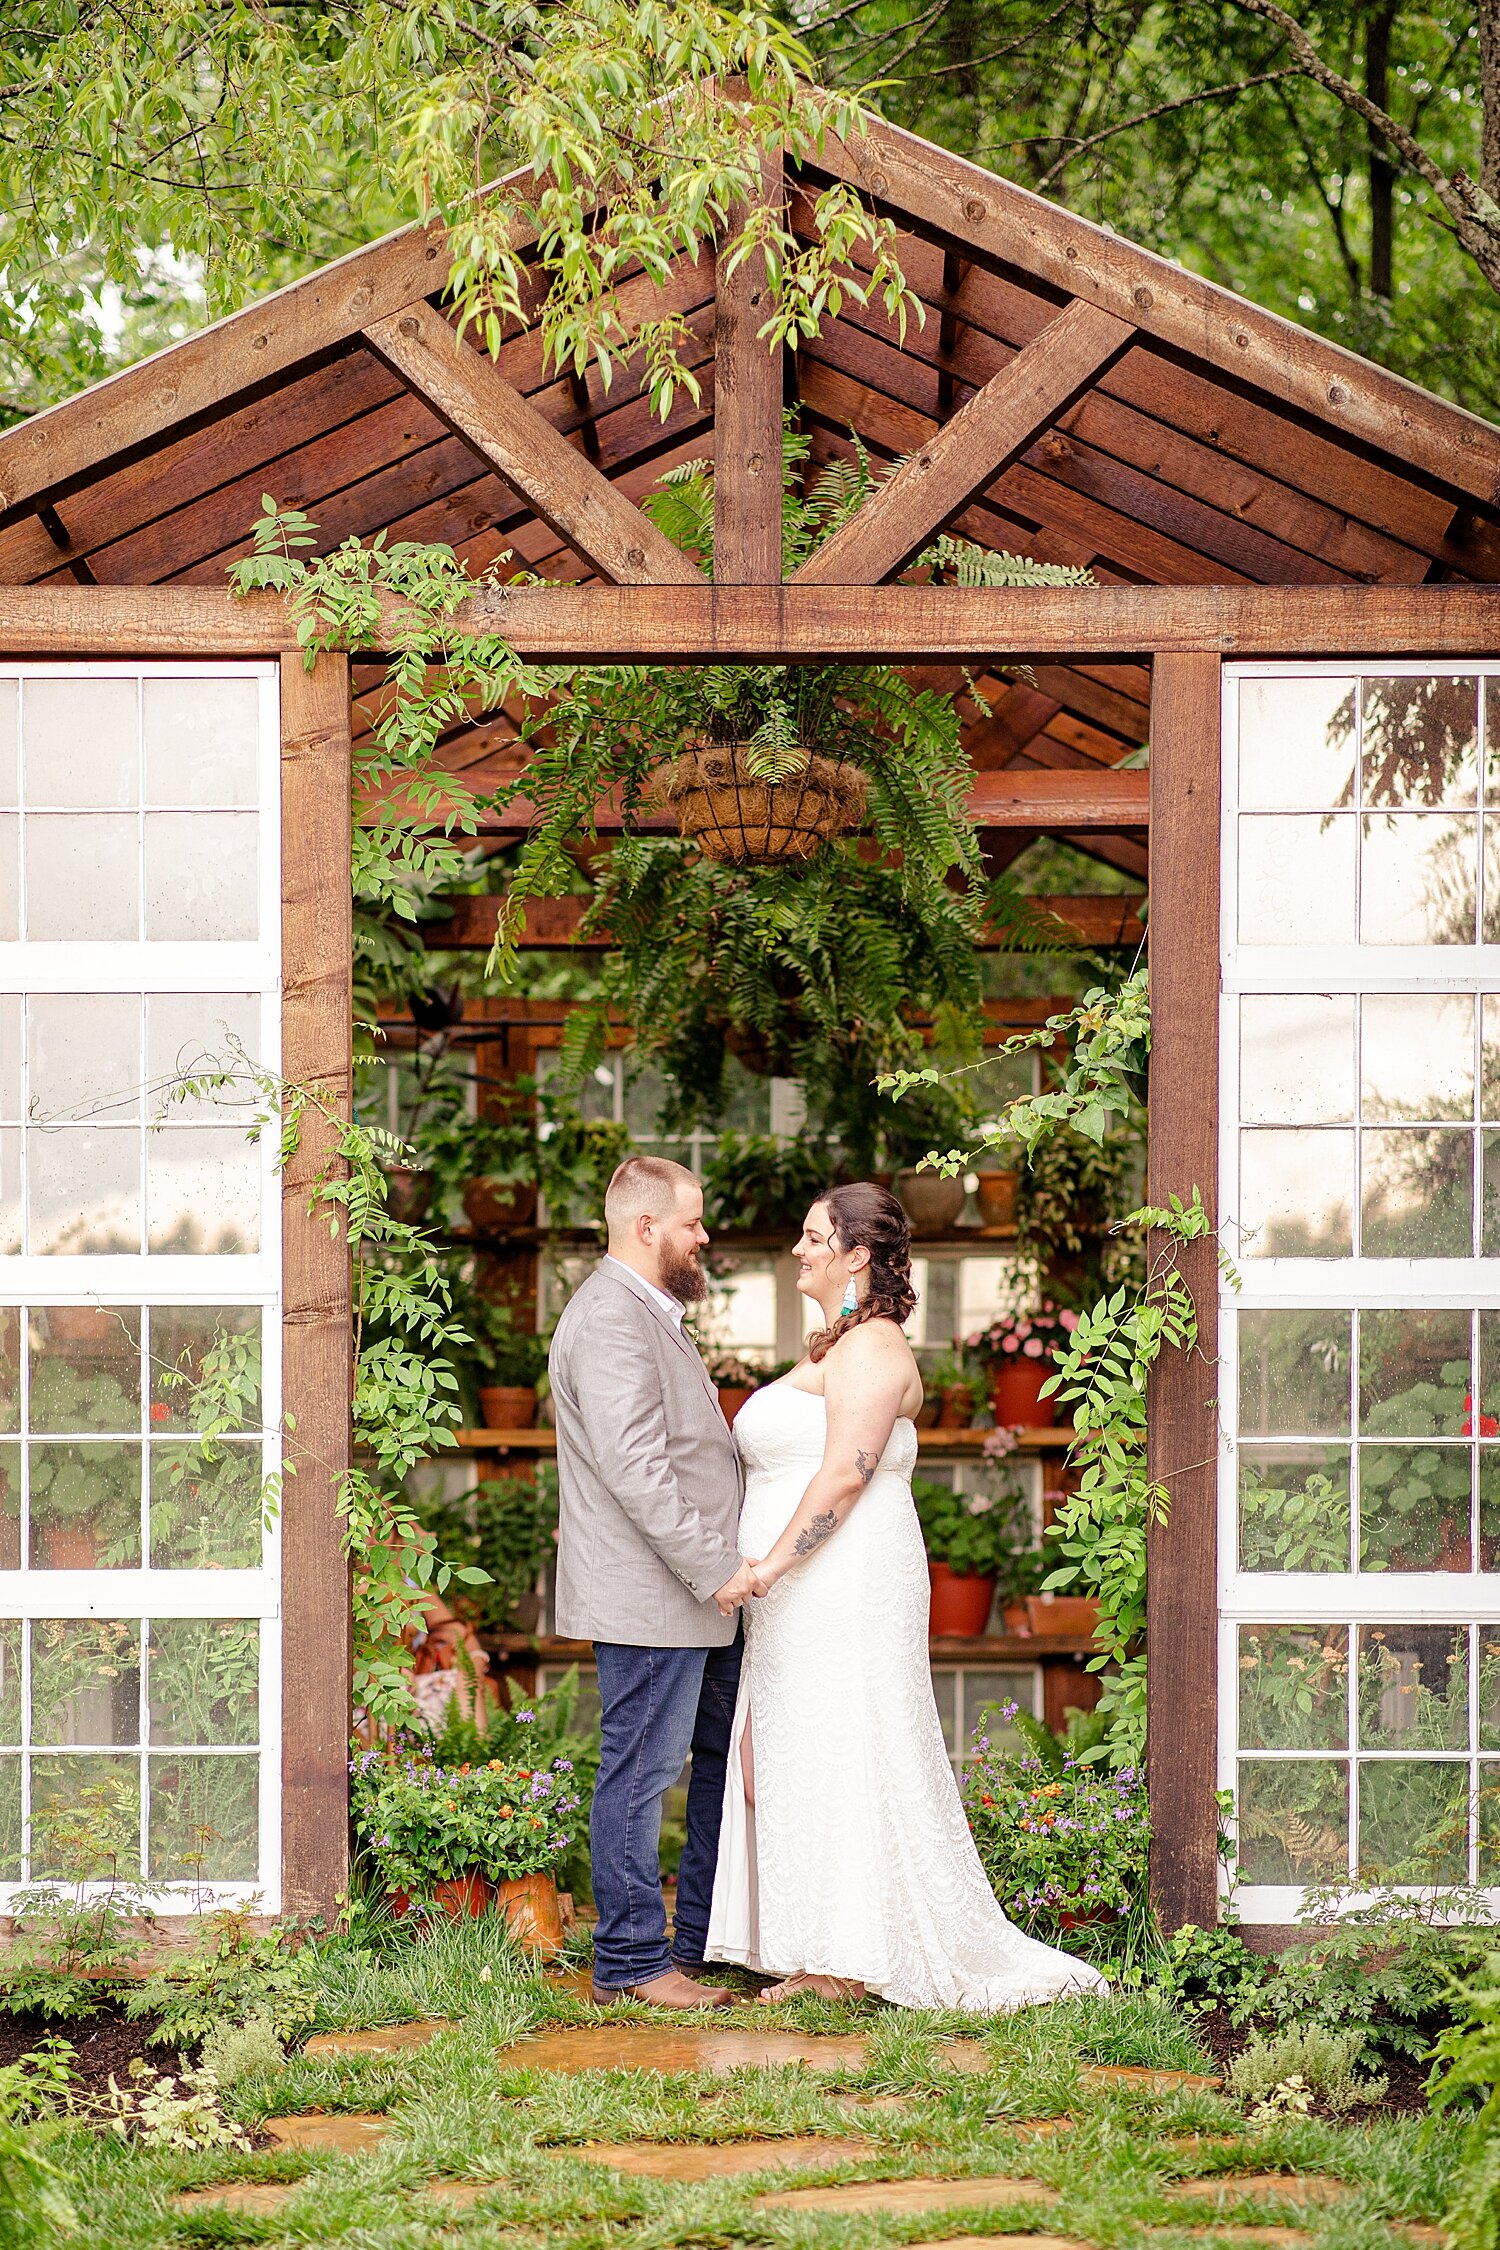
(867, 1464)
(822, 1527)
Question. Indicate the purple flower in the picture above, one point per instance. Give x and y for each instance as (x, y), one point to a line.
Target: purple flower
(524, 1718)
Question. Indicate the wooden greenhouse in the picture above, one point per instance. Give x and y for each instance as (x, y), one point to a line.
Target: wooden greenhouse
(1292, 552)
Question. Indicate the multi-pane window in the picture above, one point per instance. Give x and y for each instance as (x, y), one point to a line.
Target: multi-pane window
(139, 1360)
(1360, 1190)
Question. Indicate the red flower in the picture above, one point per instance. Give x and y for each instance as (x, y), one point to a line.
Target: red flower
(161, 1412)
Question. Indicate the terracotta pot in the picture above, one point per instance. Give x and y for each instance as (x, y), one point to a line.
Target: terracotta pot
(507, 1406)
(1087, 1914)
(957, 1409)
(996, 1194)
(732, 1397)
(928, 1412)
(1073, 1615)
(70, 1546)
(1016, 1618)
(960, 1602)
(930, 1202)
(531, 1906)
(493, 1207)
(462, 1896)
(408, 1193)
(1015, 1392)
(95, 1325)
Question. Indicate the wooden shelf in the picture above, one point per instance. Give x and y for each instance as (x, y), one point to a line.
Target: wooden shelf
(959, 1445)
(999, 1648)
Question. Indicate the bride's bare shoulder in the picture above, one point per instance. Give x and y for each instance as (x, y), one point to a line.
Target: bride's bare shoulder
(875, 1347)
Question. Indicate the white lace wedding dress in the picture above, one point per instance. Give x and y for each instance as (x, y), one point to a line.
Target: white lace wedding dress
(857, 1860)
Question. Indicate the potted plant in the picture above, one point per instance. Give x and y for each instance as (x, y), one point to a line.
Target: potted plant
(762, 1183)
(927, 1119)
(505, 1526)
(1064, 1843)
(576, 1158)
(960, 1387)
(490, 1160)
(996, 1193)
(1020, 1353)
(514, 1362)
(452, 1838)
(735, 1379)
(969, 1536)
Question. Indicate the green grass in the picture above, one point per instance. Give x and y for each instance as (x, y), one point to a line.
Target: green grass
(459, 2111)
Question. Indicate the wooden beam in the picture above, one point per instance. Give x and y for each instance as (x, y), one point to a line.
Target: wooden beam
(1066, 797)
(468, 392)
(552, 924)
(1182, 1573)
(316, 1031)
(988, 433)
(747, 417)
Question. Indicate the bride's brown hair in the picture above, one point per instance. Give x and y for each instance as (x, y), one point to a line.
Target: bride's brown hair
(867, 1217)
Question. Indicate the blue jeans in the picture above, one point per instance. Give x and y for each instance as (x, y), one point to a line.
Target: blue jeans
(658, 1704)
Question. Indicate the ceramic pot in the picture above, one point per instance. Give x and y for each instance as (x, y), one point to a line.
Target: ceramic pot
(732, 1397)
(996, 1195)
(408, 1193)
(494, 1207)
(956, 1410)
(1016, 1619)
(1016, 1392)
(930, 1202)
(960, 1602)
(531, 1906)
(1087, 1914)
(463, 1896)
(507, 1406)
(1075, 1616)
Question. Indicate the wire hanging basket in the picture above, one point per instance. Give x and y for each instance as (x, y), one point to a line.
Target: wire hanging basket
(734, 814)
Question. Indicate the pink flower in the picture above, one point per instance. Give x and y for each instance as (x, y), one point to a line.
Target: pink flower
(1069, 1321)
(1010, 1343)
(978, 1504)
(1032, 1347)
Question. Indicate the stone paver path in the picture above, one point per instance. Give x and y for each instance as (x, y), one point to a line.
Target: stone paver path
(901, 2197)
(620, 2047)
(382, 2039)
(348, 2133)
(1124, 2075)
(258, 2196)
(1234, 2187)
(718, 2160)
(1000, 2242)
(1245, 2238)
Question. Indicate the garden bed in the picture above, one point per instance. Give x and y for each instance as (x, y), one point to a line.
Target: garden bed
(1405, 2096)
(102, 2044)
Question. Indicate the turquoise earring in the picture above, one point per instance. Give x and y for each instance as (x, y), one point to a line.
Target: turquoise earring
(850, 1301)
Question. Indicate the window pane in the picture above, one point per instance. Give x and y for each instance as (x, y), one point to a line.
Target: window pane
(1488, 1698)
(86, 1506)
(10, 1680)
(86, 1368)
(85, 1681)
(10, 1504)
(1419, 740)
(1413, 1821)
(205, 1367)
(84, 1190)
(944, 1694)
(10, 1057)
(81, 742)
(205, 1819)
(1294, 1507)
(10, 1191)
(201, 739)
(1297, 1059)
(1418, 880)
(1488, 1824)
(10, 743)
(1416, 1192)
(10, 878)
(1294, 1687)
(195, 1035)
(1416, 1056)
(206, 1514)
(202, 876)
(1414, 1374)
(1414, 1687)
(10, 1367)
(1293, 1820)
(1296, 742)
(202, 1191)
(1414, 1507)
(1296, 880)
(204, 1680)
(1296, 1194)
(1489, 1505)
(10, 1820)
(85, 1818)
(1294, 1373)
(83, 877)
(84, 1054)
(1489, 1058)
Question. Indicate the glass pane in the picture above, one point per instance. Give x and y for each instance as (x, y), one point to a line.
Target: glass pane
(197, 1035)
(1296, 742)
(84, 1190)
(202, 876)
(85, 1818)
(205, 1367)
(1294, 1373)
(10, 1504)
(1416, 1056)
(202, 1191)
(81, 742)
(1416, 1192)
(201, 740)
(1414, 1687)
(1414, 1374)
(10, 1190)
(1419, 743)
(1413, 1821)
(10, 743)
(10, 1367)
(1296, 879)
(1296, 1194)
(1489, 1058)
(1489, 1506)
(1297, 1059)
(86, 1506)
(85, 1681)
(10, 1680)
(1294, 1687)
(1488, 1698)
(83, 877)
(84, 1052)
(10, 1820)
(205, 1819)
(10, 878)
(10, 1058)
(1489, 1824)
(1294, 1507)
(1293, 1820)
(1489, 1158)
(1418, 880)
(945, 1695)
(1414, 1507)
(204, 1680)
(206, 1512)
(86, 1368)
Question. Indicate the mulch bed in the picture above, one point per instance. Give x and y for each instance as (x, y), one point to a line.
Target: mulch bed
(103, 2043)
(1408, 2078)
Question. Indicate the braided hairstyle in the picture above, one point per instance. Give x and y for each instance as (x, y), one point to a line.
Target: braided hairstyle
(867, 1217)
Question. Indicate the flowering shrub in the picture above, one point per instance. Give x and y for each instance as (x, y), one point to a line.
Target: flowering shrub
(428, 1823)
(1033, 1335)
(1059, 1840)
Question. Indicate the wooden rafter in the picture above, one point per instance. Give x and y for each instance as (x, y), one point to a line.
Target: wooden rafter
(553, 924)
(747, 418)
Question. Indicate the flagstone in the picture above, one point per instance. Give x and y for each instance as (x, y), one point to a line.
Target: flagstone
(258, 2196)
(377, 2039)
(1294, 2187)
(345, 2133)
(1244, 2238)
(626, 2047)
(1147, 2080)
(459, 2192)
(715, 2160)
(969, 2055)
(1000, 2242)
(900, 2196)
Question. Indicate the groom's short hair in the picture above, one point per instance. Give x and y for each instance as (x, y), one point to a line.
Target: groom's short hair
(644, 1184)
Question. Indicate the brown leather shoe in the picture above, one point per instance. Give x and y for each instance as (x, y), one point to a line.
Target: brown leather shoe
(671, 1990)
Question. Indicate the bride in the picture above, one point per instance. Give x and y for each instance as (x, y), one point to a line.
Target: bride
(845, 1862)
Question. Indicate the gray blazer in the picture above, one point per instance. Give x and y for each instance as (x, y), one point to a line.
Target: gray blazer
(649, 1479)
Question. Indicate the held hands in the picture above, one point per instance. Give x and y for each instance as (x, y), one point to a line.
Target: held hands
(748, 1584)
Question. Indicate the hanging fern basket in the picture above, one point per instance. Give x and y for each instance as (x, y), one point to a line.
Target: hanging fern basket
(736, 815)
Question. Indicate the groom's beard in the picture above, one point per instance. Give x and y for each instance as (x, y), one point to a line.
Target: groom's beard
(683, 1278)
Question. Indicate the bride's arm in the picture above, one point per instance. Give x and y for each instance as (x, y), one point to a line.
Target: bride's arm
(864, 1379)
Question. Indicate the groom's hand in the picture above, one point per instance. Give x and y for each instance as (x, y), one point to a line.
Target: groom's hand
(735, 1590)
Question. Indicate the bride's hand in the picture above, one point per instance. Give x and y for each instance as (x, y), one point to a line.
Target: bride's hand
(761, 1579)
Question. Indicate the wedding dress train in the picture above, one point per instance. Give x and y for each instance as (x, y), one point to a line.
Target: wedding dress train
(857, 1859)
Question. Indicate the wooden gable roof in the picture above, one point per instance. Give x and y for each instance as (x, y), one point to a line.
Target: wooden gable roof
(1067, 395)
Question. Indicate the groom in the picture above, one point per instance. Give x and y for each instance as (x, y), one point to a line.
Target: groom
(650, 1487)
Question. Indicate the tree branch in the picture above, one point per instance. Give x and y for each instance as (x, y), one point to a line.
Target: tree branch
(1164, 109)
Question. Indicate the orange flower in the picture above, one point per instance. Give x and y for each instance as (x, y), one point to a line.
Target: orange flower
(495, 1764)
(505, 1812)
(986, 1800)
(535, 1822)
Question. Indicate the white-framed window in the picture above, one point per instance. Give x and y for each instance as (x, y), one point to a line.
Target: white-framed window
(967, 1694)
(140, 944)
(1359, 1535)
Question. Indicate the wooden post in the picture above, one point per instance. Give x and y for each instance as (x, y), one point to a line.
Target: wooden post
(747, 419)
(1182, 1581)
(315, 1051)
